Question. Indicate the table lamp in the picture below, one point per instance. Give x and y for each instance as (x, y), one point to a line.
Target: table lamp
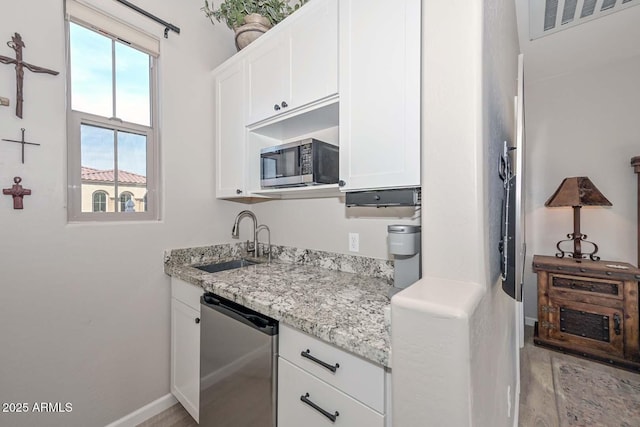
(577, 192)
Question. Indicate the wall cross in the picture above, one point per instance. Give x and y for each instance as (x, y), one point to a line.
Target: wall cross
(17, 44)
(17, 192)
(23, 142)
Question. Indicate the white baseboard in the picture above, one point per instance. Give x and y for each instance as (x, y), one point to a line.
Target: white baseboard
(530, 321)
(140, 415)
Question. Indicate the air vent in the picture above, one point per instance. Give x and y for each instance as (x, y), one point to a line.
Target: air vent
(550, 16)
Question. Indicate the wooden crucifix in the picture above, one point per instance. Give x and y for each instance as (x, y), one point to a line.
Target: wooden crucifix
(17, 192)
(17, 44)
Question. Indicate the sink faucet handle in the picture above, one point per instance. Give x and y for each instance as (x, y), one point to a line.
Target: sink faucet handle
(268, 250)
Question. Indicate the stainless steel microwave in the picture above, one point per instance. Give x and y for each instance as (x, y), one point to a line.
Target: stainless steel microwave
(305, 162)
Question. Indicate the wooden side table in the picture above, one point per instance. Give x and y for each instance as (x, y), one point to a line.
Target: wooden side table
(589, 308)
(635, 162)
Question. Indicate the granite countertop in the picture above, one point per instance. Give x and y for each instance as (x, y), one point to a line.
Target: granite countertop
(343, 308)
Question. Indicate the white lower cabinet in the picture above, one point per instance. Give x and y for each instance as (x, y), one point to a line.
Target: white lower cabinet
(185, 344)
(295, 384)
(318, 382)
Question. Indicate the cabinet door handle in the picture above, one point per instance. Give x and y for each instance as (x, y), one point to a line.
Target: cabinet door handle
(197, 320)
(284, 104)
(616, 323)
(307, 354)
(238, 191)
(276, 107)
(332, 417)
(341, 183)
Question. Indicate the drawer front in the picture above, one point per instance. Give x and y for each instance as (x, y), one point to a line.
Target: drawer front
(187, 293)
(294, 384)
(353, 375)
(585, 287)
(587, 326)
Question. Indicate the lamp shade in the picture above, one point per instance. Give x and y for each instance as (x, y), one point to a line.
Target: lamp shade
(577, 191)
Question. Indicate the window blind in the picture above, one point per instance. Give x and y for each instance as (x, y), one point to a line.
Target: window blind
(112, 26)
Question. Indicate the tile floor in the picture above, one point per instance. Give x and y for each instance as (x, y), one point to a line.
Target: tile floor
(176, 416)
(541, 399)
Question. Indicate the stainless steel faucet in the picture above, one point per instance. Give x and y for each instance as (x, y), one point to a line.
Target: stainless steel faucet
(260, 228)
(235, 231)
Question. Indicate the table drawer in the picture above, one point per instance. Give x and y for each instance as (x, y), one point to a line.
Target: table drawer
(353, 375)
(584, 287)
(295, 384)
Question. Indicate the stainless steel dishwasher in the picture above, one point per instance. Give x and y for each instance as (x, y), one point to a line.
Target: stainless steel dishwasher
(238, 365)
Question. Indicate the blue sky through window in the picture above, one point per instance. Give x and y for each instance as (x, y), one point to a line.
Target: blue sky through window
(93, 72)
(97, 150)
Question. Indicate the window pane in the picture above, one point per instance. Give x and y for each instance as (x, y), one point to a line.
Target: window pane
(99, 201)
(91, 71)
(127, 204)
(132, 169)
(97, 163)
(132, 85)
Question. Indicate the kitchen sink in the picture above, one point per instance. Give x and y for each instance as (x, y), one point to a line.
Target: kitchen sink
(228, 265)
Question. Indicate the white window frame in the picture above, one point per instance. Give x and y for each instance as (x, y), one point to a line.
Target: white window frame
(115, 29)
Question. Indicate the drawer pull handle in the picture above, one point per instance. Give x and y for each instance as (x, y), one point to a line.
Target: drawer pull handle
(616, 323)
(332, 417)
(307, 354)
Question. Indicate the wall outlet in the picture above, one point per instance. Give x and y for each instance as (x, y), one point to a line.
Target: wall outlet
(354, 242)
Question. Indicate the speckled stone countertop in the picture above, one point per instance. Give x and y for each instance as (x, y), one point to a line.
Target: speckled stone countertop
(345, 309)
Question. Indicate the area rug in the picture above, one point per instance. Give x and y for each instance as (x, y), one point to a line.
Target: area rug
(595, 396)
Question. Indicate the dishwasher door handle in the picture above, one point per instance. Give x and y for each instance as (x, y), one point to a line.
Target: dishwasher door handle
(248, 319)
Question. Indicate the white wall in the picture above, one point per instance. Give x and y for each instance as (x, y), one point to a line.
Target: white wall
(325, 224)
(453, 333)
(84, 309)
(582, 123)
(84, 312)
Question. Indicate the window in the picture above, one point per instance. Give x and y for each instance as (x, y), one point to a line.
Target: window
(112, 124)
(126, 202)
(99, 201)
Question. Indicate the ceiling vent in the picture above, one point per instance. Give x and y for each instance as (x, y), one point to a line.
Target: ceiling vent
(550, 16)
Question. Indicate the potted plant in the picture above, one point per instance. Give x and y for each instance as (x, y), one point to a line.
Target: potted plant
(249, 19)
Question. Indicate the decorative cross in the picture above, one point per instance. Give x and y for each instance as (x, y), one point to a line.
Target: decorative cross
(17, 192)
(17, 44)
(23, 142)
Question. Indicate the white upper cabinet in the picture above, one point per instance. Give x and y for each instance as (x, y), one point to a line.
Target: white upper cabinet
(297, 65)
(314, 53)
(268, 77)
(379, 94)
(230, 132)
(352, 65)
